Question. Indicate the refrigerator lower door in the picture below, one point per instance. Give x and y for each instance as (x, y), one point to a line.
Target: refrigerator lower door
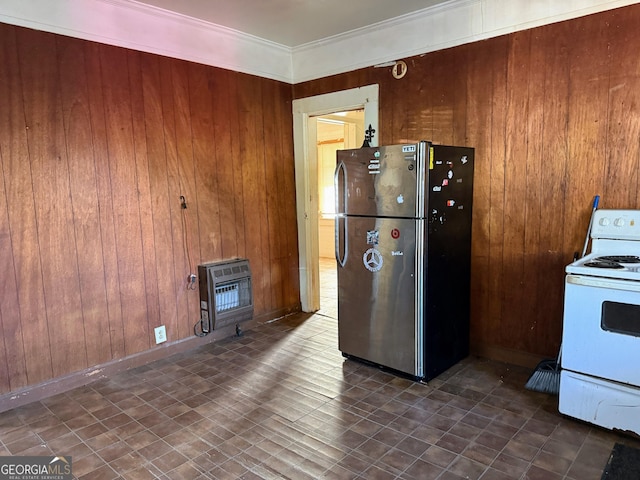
(378, 310)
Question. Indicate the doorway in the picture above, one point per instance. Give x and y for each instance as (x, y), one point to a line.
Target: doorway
(305, 124)
(335, 131)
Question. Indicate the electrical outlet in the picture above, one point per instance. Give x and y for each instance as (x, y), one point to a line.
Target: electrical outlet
(161, 334)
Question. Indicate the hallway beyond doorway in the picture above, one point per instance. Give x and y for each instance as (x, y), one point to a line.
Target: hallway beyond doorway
(328, 288)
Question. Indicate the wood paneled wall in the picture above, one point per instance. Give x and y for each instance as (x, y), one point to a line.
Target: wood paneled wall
(97, 144)
(554, 116)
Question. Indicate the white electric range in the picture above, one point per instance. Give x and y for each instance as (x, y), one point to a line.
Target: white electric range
(600, 377)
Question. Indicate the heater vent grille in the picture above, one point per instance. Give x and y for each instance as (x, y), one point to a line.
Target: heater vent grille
(227, 297)
(225, 293)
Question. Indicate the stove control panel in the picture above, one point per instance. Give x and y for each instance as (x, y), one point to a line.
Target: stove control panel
(616, 224)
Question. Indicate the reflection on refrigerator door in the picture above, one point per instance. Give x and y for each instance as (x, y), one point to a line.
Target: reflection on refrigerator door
(376, 295)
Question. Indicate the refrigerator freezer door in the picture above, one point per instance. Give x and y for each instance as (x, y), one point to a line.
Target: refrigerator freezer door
(382, 181)
(377, 307)
(447, 292)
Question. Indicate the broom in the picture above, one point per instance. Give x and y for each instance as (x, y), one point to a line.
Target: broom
(546, 377)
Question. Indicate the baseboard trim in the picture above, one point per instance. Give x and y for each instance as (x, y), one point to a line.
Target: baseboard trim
(64, 383)
(506, 355)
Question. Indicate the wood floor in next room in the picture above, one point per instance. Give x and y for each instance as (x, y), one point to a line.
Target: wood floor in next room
(281, 402)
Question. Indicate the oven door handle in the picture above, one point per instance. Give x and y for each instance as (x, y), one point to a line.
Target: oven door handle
(629, 286)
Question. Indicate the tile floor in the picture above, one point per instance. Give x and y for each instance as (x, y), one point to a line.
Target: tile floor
(281, 402)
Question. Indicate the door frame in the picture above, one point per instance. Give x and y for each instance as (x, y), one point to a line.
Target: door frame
(306, 174)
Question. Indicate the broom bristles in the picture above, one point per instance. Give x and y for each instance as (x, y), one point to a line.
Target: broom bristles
(545, 378)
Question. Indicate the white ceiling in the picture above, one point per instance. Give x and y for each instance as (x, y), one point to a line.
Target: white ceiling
(293, 22)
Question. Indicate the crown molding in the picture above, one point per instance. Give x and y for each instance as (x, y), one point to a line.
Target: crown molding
(443, 26)
(138, 26)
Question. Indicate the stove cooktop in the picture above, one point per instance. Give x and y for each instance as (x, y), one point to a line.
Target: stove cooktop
(610, 266)
(612, 261)
(615, 246)
(618, 259)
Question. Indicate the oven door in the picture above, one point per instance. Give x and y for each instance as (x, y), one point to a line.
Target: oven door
(601, 330)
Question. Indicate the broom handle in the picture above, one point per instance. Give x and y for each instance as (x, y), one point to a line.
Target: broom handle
(596, 200)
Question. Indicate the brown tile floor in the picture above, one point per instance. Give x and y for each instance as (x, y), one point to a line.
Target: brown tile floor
(281, 402)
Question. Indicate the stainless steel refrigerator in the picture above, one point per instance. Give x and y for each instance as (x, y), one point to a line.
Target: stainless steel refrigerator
(403, 247)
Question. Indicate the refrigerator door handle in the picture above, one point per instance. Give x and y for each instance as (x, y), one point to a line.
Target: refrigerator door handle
(340, 190)
(340, 220)
(341, 228)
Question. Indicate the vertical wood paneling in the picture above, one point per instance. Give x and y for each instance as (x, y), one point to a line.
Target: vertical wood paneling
(458, 75)
(273, 189)
(258, 238)
(124, 183)
(187, 183)
(226, 164)
(587, 105)
(515, 179)
(52, 200)
(251, 157)
(289, 237)
(11, 336)
(235, 152)
(398, 111)
(97, 250)
(480, 98)
(497, 327)
(554, 168)
(76, 119)
(113, 322)
(20, 281)
(442, 74)
(404, 124)
(533, 285)
(145, 209)
(159, 191)
(588, 96)
(419, 122)
(209, 182)
(174, 172)
(623, 138)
